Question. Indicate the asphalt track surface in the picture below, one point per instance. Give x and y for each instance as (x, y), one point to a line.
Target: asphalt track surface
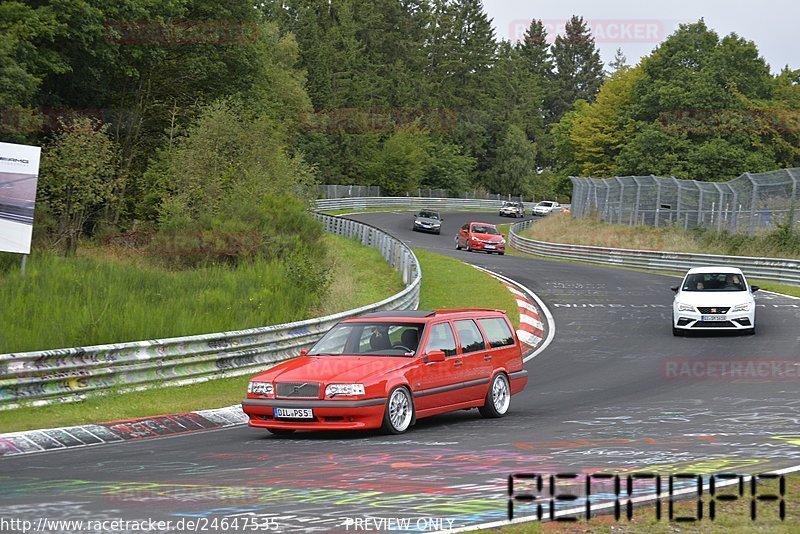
(611, 393)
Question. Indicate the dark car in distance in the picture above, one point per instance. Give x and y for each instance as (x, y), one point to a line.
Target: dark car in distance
(428, 221)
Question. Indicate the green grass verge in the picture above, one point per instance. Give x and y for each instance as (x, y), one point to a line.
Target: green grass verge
(731, 517)
(559, 228)
(101, 298)
(362, 279)
(450, 283)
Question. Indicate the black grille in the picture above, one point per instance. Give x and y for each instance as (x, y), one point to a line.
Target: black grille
(297, 390)
(713, 324)
(713, 311)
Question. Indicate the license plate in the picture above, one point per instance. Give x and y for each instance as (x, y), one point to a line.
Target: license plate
(294, 413)
(489, 246)
(713, 318)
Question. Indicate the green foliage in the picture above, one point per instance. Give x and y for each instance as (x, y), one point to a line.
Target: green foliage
(578, 65)
(514, 164)
(78, 176)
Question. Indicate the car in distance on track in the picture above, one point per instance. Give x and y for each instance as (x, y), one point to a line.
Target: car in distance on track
(546, 207)
(478, 236)
(428, 221)
(512, 209)
(714, 298)
(388, 369)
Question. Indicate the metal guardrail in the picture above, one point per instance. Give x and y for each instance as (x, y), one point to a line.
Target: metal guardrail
(781, 270)
(407, 202)
(68, 374)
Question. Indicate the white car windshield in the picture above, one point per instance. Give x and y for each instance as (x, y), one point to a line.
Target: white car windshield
(546, 204)
(714, 282)
(370, 339)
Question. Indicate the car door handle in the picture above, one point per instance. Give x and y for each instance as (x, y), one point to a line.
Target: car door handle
(487, 358)
(458, 363)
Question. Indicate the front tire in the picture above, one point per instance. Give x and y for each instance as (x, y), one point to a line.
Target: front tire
(399, 412)
(498, 398)
(458, 247)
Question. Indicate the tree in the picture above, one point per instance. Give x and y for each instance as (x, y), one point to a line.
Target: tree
(77, 178)
(578, 65)
(600, 131)
(514, 165)
(620, 62)
(535, 51)
(400, 165)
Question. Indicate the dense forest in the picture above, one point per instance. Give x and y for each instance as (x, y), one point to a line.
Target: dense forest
(187, 114)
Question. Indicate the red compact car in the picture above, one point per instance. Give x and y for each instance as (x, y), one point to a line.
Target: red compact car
(478, 236)
(388, 369)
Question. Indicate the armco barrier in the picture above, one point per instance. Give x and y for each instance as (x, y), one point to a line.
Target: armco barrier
(785, 271)
(68, 374)
(407, 202)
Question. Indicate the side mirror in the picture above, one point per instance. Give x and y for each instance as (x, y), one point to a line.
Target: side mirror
(303, 352)
(753, 289)
(675, 288)
(435, 356)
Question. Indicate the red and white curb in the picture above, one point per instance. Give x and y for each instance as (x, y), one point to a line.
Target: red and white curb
(157, 426)
(534, 332)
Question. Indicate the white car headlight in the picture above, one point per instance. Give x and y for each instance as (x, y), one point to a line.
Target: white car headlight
(745, 306)
(685, 307)
(260, 388)
(502, 241)
(350, 390)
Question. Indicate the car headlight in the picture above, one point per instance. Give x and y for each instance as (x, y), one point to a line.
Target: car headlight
(685, 307)
(260, 388)
(502, 241)
(745, 306)
(417, 222)
(437, 224)
(344, 389)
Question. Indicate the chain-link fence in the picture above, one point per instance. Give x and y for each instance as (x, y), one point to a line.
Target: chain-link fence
(748, 203)
(348, 191)
(361, 191)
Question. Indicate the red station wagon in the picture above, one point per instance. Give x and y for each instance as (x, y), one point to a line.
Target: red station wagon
(477, 236)
(388, 369)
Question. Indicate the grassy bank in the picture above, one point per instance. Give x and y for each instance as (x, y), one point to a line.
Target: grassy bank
(592, 231)
(731, 517)
(105, 297)
(444, 280)
(449, 283)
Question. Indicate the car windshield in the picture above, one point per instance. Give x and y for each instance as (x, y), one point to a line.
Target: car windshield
(714, 282)
(428, 215)
(485, 229)
(370, 339)
(546, 204)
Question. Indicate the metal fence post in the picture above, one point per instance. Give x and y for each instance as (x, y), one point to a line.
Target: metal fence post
(753, 204)
(793, 207)
(658, 200)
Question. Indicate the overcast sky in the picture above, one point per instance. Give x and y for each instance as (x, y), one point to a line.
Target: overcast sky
(637, 27)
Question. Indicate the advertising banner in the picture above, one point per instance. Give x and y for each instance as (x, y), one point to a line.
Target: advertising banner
(19, 171)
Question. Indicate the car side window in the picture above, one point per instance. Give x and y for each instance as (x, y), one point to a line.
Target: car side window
(441, 338)
(498, 334)
(465, 227)
(469, 336)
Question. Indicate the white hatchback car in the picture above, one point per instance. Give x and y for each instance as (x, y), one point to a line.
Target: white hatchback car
(714, 298)
(545, 208)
